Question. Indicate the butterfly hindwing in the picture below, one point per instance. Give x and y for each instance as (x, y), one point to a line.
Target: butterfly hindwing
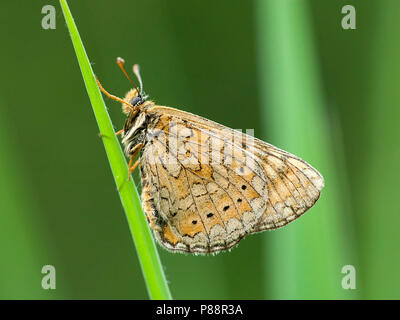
(294, 186)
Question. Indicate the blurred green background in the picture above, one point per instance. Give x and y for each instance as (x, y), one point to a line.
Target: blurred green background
(285, 68)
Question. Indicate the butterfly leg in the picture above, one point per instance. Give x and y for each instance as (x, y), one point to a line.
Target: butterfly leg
(132, 166)
(117, 133)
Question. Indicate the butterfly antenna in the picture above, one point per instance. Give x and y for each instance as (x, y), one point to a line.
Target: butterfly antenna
(111, 96)
(136, 71)
(121, 63)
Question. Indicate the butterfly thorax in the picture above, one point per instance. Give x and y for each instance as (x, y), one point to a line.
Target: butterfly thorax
(135, 127)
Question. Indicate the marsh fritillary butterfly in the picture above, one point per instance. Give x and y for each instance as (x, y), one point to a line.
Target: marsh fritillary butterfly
(206, 186)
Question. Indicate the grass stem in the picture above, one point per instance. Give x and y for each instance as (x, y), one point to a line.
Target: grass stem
(148, 256)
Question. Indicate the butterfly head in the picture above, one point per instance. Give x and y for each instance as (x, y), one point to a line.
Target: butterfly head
(136, 99)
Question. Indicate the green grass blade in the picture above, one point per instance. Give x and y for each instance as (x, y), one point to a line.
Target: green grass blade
(304, 260)
(145, 246)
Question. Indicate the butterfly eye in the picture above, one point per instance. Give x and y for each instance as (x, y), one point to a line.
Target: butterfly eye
(135, 100)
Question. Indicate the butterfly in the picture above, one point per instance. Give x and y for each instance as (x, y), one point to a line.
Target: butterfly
(206, 186)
